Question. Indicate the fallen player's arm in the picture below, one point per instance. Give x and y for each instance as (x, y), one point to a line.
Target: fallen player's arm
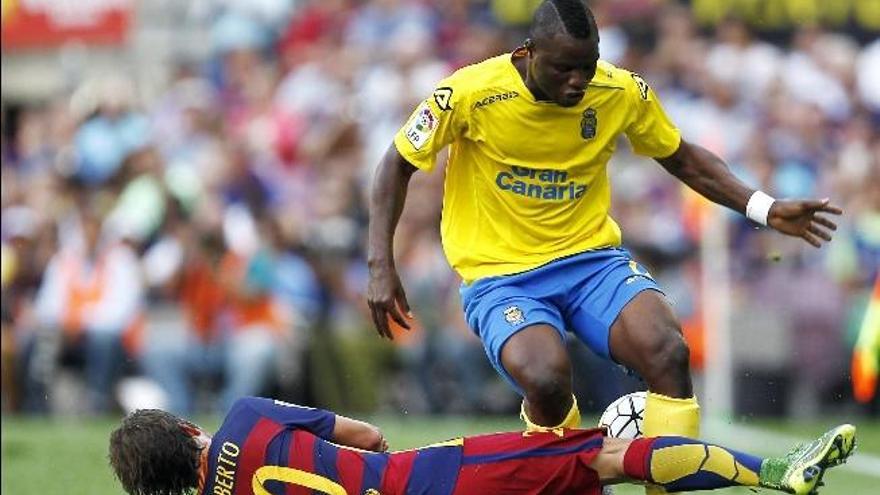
(358, 434)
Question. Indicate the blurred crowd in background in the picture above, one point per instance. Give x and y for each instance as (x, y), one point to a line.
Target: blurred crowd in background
(209, 238)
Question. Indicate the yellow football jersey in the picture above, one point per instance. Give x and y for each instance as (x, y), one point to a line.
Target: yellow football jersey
(526, 181)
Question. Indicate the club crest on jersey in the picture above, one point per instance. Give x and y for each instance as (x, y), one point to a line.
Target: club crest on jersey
(422, 126)
(443, 98)
(514, 315)
(589, 124)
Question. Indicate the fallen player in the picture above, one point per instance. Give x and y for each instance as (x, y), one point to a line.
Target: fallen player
(267, 447)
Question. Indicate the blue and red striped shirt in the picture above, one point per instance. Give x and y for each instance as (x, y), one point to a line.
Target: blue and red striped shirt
(284, 449)
(268, 447)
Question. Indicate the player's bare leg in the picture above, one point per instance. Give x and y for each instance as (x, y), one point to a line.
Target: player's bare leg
(537, 359)
(647, 338)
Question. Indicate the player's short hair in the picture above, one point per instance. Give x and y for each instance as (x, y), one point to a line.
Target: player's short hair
(571, 17)
(151, 454)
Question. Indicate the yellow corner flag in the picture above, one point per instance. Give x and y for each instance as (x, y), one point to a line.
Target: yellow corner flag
(866, 354)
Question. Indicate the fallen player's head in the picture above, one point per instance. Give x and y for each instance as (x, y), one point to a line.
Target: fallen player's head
(154, 452)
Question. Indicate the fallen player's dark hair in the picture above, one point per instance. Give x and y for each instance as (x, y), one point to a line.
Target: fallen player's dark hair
(151, 454)
(571, 17)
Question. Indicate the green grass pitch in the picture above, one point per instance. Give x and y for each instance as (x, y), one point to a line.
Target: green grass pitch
(46, 456)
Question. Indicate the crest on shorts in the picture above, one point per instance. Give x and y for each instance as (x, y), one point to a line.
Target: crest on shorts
(514, 315)
(637, 271)
(589, 124)
(372, 491)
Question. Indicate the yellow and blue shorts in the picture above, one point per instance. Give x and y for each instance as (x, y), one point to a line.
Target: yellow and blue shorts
(582, 294)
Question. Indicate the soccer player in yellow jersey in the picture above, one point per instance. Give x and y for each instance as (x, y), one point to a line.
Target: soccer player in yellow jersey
(526, 217)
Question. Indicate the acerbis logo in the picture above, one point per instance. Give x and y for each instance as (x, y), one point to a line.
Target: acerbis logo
(642, 85)
(443, 98)
(496, 98)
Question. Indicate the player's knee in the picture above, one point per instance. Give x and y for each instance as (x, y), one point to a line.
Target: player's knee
(671, 355)
(547, 385)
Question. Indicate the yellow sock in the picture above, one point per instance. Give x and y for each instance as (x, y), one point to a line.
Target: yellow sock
(572, 419)
(670, 416)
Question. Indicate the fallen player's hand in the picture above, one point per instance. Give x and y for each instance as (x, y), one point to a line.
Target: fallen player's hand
(804, 219)
(372, 439)
(358, 434)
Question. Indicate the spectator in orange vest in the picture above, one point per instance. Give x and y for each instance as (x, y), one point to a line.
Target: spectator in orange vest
(92, 296)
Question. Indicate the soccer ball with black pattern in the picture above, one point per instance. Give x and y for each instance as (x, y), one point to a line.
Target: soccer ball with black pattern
(623, 418)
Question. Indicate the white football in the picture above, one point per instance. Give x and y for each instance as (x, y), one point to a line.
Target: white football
(623, 418)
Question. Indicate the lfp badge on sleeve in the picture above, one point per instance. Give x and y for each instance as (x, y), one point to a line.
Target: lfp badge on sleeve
(422, 126)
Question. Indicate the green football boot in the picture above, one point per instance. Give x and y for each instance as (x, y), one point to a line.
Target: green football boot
(801, 470)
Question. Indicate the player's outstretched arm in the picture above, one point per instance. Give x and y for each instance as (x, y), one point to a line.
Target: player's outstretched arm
(707, 174)
(385, 294)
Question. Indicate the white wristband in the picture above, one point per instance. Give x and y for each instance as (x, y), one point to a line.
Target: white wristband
(759, 207)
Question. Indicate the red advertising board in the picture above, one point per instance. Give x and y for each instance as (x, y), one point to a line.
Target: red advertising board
(49, 23)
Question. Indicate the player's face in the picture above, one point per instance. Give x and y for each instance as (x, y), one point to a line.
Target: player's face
(562, 66)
